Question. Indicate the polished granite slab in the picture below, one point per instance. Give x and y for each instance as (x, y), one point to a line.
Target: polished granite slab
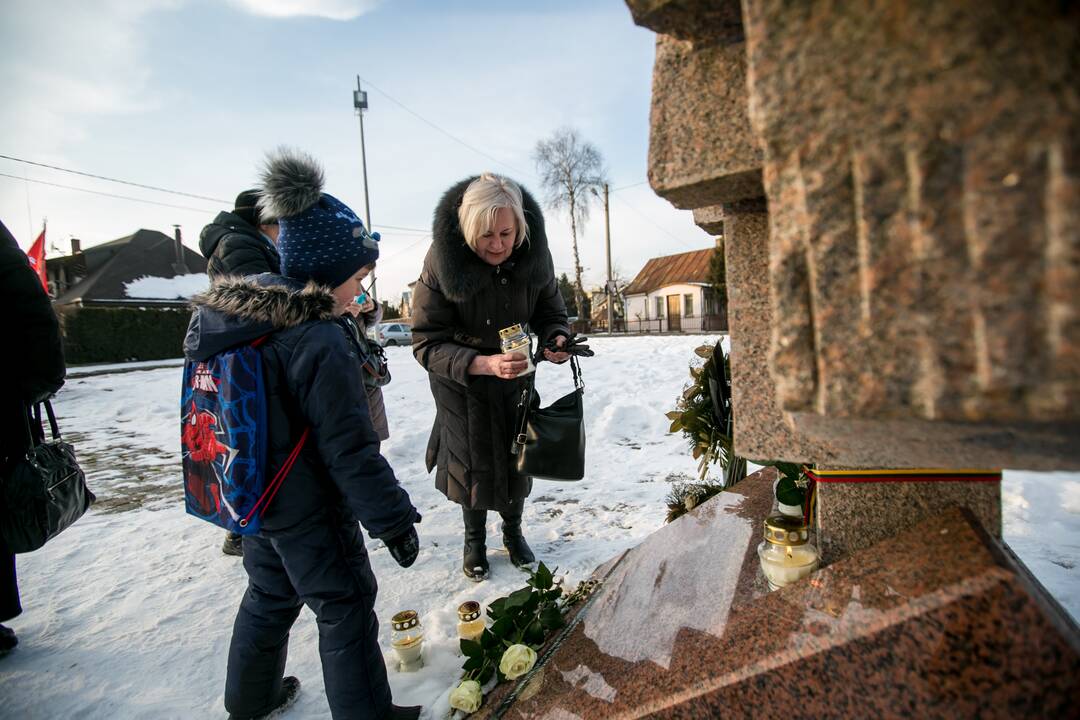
(936, 622)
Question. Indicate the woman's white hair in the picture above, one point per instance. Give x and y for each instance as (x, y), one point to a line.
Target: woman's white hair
(482, 200)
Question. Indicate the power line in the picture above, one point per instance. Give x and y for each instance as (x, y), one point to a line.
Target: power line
(112, 195)
(625, 187)
(146, 187)
(403, 229)
(444, 132)
(404, 250)
(651, 222)
(115, 180)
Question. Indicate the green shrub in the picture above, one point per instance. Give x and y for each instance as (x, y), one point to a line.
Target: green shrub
(108, 335)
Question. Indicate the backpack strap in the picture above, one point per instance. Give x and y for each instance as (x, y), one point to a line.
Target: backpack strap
(271, 489)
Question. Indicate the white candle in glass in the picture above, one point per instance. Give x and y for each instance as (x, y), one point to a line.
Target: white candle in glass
(470, 623)
(407, 640)
(786, 554)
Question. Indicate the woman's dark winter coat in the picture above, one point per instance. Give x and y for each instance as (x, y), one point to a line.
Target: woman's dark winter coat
(233, 246)
(459, 305)
(36, 370)
(309, 550)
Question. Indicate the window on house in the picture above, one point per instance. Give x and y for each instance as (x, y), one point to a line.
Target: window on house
(688, 305)
(659, 307)
(708, 302)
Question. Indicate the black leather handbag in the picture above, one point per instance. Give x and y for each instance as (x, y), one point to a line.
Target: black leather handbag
(550, 442)
(44, 492)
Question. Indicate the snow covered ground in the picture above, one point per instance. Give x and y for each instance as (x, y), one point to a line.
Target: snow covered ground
(128, 613)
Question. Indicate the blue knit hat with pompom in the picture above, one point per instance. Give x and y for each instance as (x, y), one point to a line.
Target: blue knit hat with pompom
(320, 238)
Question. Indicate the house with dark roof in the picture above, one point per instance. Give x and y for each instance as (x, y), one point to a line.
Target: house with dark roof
(100, 275)
(673, 294)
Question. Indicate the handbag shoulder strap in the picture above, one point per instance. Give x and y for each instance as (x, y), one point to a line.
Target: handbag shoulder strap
(31, 413)
(575, 368)
(52, 420)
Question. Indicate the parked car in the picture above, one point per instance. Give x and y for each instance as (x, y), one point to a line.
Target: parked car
(393, 333)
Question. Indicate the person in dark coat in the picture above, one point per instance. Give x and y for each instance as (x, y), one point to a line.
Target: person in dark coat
(358, 319)
(488, 268)
(36, 371)
(309, 550)
(241, 242)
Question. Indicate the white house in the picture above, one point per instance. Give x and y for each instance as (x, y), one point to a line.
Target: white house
(673, 294)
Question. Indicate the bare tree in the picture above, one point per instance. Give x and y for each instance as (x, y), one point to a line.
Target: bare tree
(569, 168)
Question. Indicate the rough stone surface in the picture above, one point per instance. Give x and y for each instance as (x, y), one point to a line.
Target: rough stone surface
(922, 166)
(701, 148)
(710, 219)
(852, 516)
(762, 430)
(701, 23)
(936, 622)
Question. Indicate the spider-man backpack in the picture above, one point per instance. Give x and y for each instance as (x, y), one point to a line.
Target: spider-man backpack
(223, 440)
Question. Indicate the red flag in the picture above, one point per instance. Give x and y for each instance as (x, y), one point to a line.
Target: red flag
(37, 259)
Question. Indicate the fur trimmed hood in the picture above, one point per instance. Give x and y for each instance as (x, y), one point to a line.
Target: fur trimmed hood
(236, 310)
(459, 272)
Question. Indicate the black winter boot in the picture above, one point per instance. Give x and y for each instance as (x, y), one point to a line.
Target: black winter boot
(233, 544)
(290, 688)
(404, 712)
(520, 553)
(475, 564)
(8, 641)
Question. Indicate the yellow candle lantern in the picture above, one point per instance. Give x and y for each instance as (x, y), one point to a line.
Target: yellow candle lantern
(786, 554)
(407, 639)
(470, 624)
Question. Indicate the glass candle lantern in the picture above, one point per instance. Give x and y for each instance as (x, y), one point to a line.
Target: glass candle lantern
(786, 553)
(470, 624)
(407, 639)
(515, 339)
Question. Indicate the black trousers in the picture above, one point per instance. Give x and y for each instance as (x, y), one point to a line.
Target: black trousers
(322, 563)
(9, 585)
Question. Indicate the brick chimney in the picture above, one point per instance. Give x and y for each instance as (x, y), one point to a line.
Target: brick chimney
(76, 246)
(180, 266)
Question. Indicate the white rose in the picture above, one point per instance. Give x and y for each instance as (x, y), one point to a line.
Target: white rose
(516, 661)
(466, 696)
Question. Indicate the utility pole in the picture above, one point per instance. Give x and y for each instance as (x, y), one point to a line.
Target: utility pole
(360, 104)
(610, 282)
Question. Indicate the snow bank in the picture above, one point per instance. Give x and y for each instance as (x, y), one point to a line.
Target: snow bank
(129, 613)
(159, 288)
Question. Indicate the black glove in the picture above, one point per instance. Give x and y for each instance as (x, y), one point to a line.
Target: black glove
(574, 345)
(405, 547)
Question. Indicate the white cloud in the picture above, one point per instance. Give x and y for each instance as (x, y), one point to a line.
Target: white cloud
(66, 61)
(330, 9)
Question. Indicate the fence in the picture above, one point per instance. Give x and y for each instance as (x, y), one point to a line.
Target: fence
(692, 324)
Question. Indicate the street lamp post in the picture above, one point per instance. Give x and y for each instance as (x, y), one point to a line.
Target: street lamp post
(360, 104)
(609, 287)
(610, 282)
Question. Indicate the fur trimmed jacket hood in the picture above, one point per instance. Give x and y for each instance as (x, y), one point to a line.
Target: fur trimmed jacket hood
(236, 310)
(461, 272)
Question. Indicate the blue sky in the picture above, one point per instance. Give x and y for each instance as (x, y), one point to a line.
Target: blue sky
(189, 95)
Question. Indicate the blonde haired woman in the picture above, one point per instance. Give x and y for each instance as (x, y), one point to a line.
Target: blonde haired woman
(488, 268)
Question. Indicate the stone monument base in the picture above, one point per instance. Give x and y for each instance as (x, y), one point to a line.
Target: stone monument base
(938, 621)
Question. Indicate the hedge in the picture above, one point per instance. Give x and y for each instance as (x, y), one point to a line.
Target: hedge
(107, 335)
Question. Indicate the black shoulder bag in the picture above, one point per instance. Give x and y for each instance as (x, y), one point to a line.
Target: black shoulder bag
(550, 442)
(45, 490)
